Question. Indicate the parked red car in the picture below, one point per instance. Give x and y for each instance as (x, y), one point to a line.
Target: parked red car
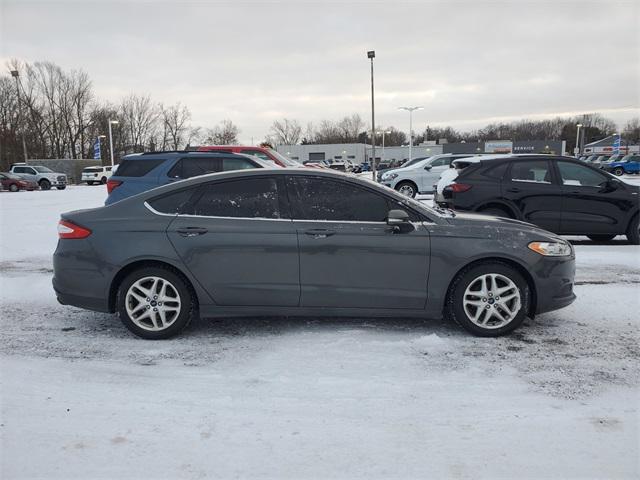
(260, 152)
(14, 183)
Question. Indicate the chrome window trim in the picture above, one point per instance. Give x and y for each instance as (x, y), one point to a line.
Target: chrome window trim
(184, 215)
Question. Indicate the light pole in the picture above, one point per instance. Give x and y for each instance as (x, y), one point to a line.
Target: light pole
(111, 122)
(410, 110)
(383, 133)
(372, 54)
(15, 74)
(576, 150)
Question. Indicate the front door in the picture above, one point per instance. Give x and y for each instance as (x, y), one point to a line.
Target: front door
(348, 255)
(238, 242)
(591, 202)
(530, 186)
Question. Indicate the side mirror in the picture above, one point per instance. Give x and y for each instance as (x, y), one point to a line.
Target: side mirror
(399, 222)
(610, 185)
(427, 167)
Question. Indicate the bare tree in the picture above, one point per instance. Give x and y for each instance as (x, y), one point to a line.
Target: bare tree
(224, 134)
(285, 132)
(631, 132)
(139, 116)
(175, 130)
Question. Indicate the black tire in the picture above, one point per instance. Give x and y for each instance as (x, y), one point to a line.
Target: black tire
(103, 180)
(45, 185)
(496, 212)
(13, 188)
(633, 232)
(601, 237)
(454, 307)
(187, 298)
(62, 187)
(407, 188)
(89, 183)
(619, 171)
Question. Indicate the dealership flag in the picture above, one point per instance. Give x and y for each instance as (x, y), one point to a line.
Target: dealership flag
(97, 155)
(616, 144)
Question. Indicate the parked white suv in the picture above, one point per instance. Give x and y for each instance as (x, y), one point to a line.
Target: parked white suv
(419, 177)
(97, 175)
(43, 176)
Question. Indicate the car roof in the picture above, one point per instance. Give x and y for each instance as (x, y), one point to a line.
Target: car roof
(511, 156)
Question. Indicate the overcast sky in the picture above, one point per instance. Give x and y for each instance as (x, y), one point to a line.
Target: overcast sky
(467, 63)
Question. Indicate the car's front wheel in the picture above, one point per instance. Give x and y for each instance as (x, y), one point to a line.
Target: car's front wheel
(13, 187)
(489, 299)
(62, 187)
(408, 189)
(155, 303)
(45, 184)
(619, 171)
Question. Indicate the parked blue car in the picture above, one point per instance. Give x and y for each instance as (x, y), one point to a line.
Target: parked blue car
(628, 164)
(140, 172)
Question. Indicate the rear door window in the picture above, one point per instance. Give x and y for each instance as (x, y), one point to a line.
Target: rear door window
(246, 198)
(138, 167)
(172, 203)
(531, 171)
(257, 153)
(195, 166)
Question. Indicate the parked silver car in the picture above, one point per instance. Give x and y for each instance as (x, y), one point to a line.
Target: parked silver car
(419, 177)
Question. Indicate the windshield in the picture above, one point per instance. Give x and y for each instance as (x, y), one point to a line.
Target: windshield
(286, 160)
(627, 158)
(43, 170)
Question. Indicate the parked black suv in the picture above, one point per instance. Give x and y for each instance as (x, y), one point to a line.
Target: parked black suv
(559, 194)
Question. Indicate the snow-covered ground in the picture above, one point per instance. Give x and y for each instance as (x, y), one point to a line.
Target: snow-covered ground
(312, 398)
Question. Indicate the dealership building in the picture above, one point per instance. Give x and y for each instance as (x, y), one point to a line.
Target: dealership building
(359, 152)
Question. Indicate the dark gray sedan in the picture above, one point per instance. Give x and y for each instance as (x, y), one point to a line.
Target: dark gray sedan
(303, 242)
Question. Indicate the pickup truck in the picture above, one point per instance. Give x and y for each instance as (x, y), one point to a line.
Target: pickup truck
(43, 176)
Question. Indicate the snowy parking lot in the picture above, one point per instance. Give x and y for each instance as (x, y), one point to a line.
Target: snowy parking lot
(312, 398)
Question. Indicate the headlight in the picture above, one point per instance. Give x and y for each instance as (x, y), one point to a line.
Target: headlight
(390, 176)
(551, 249)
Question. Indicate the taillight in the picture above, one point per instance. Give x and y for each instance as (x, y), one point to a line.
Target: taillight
(111, 184)
(459, 187)
(66, 229)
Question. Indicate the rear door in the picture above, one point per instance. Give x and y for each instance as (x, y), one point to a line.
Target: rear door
(238, 241)
(590, 204)
(348, 256)
(531, 186)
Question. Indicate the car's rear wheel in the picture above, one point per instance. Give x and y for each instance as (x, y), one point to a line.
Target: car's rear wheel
(408, 189)
(618, 171)
(601, 237)
(633, 232)
(13, 187)
(155, 303)
(489, 299)
(496, 212)
(45, 184)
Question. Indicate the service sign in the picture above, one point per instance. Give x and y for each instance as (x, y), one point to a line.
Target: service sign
(498, 146)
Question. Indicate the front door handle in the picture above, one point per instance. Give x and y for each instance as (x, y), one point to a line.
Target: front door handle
(319, 232)
(514, 190)
(192, 231)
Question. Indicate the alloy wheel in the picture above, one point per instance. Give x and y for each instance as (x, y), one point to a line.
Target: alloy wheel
(492, 301)
(153, 303)
(406, 190)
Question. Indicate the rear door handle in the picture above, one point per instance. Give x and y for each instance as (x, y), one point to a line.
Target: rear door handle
(192, 231)
(319, 232)
(513, 190)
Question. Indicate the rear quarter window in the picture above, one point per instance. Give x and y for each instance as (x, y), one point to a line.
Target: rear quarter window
(138, 167)
(495, 171)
